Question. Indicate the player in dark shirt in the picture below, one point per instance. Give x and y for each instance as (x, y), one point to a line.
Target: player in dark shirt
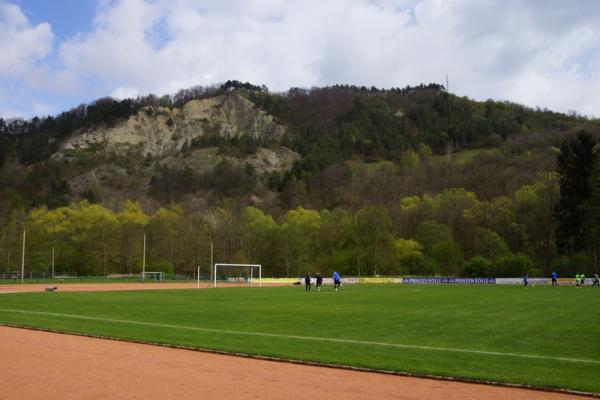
(319, 281)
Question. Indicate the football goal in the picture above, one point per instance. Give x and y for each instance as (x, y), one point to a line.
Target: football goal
(245, 273)
(152, 276)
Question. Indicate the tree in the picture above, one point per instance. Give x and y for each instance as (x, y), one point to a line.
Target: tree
(489, 244)
(512, 266)
(132, 221)
(99, 225)
(299, 231)
(449, 257)
(374, 234)
(429, 233)
(575, 162)
(533, 209)
(164, 240)
(259, 231)
(337, 243)
(404, 254)
(591, 210)
(478, 267)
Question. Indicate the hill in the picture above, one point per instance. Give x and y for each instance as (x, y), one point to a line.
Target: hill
(424, 171)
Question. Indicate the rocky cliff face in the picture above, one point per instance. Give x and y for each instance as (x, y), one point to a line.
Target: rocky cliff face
(120, 161)
(161, 131)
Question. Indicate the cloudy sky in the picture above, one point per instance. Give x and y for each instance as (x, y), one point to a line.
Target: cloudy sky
(60, 53)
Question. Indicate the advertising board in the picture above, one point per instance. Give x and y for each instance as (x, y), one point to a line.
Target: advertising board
(451, 280)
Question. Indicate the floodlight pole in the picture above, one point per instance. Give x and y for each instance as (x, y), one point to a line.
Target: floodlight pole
(52, 259)
(211, 255)
(144, 260)
(23, 260)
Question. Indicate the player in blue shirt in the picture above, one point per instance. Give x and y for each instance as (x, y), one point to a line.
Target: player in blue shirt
(554, 275)
(337, 281)
(525, 278)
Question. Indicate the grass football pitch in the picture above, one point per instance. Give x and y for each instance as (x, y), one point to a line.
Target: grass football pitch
(540, 336)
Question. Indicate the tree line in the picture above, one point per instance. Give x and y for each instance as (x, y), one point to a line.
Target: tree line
(451, 233)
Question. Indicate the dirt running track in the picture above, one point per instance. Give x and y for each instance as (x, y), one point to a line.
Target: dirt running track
(44, 365)
(98, 287)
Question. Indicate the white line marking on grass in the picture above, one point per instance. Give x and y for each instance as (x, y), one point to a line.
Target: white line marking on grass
(311, 338)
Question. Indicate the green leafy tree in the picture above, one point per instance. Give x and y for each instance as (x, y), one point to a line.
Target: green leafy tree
(132, 221)
(591, 209)
(260, 238)
(512, 266)
(374, 234)
(300, 230)
(448, 256)
(489, 244)
(478, 266)
(575, 162)
(404, 254)
(336, 243)
(430, 232)
(165, 243)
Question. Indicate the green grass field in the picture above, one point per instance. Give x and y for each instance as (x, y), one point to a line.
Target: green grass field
(540, 336)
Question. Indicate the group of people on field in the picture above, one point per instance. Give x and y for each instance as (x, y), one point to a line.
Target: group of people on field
(579, 280)
(337, 281)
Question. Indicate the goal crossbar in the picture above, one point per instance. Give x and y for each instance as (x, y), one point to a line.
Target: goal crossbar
(251, 266)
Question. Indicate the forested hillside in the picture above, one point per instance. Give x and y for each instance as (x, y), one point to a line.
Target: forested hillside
(360, 180)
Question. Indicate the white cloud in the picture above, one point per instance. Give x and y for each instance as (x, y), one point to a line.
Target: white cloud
(22, 44)
(125, 92)
(539, 53)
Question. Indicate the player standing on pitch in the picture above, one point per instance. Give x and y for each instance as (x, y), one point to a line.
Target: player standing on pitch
(596, 281)
(337, 281)
(554, 276)
(525, 278)
(307, 282)
(319, 281)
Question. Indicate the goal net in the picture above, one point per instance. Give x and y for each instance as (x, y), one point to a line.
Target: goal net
(152, 276)
(237, 273)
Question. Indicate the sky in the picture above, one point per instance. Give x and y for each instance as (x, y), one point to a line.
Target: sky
(57, 54)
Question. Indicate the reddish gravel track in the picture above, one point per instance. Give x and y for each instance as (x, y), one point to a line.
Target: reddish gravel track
(99, 287)
(45, 365)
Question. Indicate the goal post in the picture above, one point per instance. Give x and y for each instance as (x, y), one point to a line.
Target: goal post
(157, 276)
(251, 267)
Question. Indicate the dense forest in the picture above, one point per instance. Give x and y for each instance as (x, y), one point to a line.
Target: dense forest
(402, 181)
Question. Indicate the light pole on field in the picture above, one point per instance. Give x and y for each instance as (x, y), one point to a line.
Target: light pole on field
(53, 242)
(144, 260)
(211, 255)
(23, 260)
